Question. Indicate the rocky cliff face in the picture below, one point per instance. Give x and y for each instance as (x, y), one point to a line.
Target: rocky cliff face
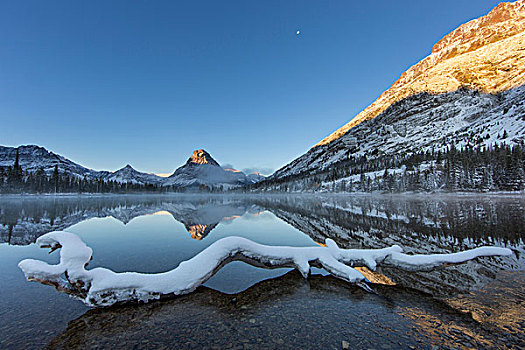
(486, 54)
(202, 169)
(468, 93)
(200, 156)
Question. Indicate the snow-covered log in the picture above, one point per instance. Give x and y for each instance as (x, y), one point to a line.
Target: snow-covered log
(103, 287)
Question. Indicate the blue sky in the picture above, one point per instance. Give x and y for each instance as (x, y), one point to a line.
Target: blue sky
(147, 82)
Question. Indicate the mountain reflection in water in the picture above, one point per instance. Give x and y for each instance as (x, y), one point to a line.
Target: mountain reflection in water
(319, 312)
(24, 220)
(420, 224)
(464, 220)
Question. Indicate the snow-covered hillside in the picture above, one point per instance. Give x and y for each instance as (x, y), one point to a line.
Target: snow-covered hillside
(421, 123)
(255, 177)
(130, 175)
(486, 54)
(468, 94)
(33, 158)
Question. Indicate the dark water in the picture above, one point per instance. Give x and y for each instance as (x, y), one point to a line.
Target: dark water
(474, 305)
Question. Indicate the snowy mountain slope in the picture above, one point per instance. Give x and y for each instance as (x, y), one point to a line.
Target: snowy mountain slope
(202, 169)
(469, 91)
(32, 158)
(486, 54)
(425, 122)
(130, 175)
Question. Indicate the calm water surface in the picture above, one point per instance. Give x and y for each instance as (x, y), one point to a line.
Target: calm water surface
(473, 305)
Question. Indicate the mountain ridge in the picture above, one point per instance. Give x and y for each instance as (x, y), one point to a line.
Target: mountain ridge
(429, 109)
(420, 123)
(493, 44)
(34, 158)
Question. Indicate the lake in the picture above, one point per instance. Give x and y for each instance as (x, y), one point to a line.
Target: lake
(473, 305)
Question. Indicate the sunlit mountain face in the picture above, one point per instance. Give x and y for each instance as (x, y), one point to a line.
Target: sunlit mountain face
(202, 170)
(200, 156)
(467, 95)
(485, 55)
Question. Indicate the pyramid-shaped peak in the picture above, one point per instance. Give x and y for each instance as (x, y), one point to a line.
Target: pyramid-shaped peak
(200, 156)
(127, 169)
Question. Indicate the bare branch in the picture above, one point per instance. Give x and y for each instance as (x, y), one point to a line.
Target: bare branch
(103, 287)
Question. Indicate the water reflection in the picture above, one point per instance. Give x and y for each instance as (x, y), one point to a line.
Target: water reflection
(455, 221)
(22, 220)
(155, 233)
(419, 224)
(288, 312)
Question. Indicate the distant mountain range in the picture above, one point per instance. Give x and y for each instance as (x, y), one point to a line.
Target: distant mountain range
(200, 169)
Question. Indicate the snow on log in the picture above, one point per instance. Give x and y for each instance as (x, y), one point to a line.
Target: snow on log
(103, 287)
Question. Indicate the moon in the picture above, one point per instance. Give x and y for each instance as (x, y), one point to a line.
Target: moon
(298, 32)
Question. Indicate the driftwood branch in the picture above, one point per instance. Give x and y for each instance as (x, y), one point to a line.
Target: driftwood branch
(103, 287)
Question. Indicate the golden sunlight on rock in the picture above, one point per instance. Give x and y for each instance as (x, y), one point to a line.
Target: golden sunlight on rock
(500, 304)
(199, 231)
(200, 156)
(486, 54)
(434, 328)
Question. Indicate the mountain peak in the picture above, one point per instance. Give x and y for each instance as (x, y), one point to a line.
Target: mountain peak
(128, 174)
(200, 156)
(485, 54)
(202, 169)
(127, 168)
